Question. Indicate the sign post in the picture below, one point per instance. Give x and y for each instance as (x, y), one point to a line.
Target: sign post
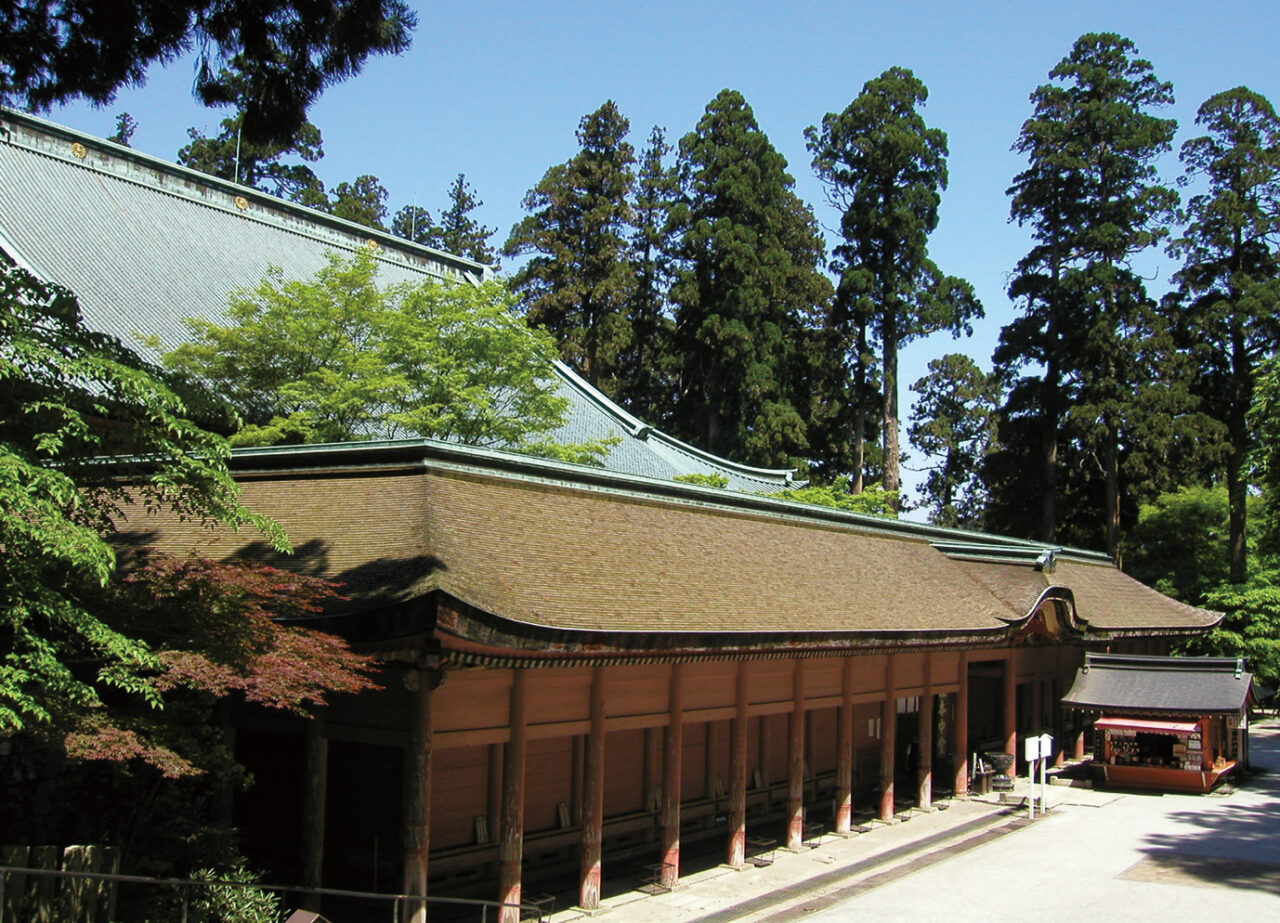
(1036, 749)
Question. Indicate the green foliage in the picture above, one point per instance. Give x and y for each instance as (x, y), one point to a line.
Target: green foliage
(364, 201)
(271, 59)
(1178, 545)
(954, 423)
(578, 283)
(1251, 628)
(336, 358)
(647, 375)
(231, 898)
(277, 167)
(747, 291)
(702, 480)
(873, 500)
(1229, 286)
(1105, 373)
(68, 399)
(126, 125)
(460, 233)
(884, 169)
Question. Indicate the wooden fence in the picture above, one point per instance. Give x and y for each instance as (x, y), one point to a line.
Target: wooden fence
(50, 899)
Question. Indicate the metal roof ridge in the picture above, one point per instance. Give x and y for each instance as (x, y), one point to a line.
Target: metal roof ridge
(465, 267)
(641, 430)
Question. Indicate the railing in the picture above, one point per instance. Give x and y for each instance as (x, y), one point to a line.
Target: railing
(401, 906)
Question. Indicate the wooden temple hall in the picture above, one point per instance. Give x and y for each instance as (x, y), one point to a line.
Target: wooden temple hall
(587, 672)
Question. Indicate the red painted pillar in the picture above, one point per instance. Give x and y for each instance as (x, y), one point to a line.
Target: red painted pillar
(1011, 705)
(672, 757)
(593, 800)
(844, 752)
(738, 774)
(924, 740)
(795, 763)
(417, 833)
(1077, 749)
(888, 740)
(511, 844)
(960, 784)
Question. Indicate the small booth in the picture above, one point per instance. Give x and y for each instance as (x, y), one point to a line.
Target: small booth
(1167, 723)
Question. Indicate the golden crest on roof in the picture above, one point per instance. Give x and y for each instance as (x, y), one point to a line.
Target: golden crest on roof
(78, 150)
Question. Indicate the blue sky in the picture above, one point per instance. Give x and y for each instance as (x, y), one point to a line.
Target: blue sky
(495, 90)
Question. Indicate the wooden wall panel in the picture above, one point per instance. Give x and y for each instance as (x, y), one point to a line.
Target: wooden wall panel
(946, 668)
(548, 781)
(823, 676)
(637, 690)
(623, 772)
(559, 695)
(908, 672)
(459, 793)
(770, 681)
(775, 743)
(693, 765)
(821, 742)
(473, 699)
(710, 685)
(718, 755)
(868, 673)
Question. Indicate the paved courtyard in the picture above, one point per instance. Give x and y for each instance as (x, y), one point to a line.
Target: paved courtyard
(1099, 855)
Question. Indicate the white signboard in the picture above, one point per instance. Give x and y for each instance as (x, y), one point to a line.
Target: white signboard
(1037, 748)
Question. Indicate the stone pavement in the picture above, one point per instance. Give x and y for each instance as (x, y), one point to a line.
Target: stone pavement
(836, 865)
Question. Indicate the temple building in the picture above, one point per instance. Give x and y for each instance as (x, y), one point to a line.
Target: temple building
(583, 668)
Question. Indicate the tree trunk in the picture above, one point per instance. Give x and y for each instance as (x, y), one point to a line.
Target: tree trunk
(1238, 436)
(889, 337)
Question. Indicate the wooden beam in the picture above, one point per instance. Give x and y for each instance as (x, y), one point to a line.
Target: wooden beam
(795, 761)
(960, 785)
(511, 843)
(593, 800)
(418, 795)
(1011, 705)
(672, 759)
(888, 740)
(738, 775)
(844, 752)
(924, 740)
(316, 756)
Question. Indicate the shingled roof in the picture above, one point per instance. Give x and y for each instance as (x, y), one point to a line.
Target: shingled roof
(543, 549)
(1187, 686)
(145, 243)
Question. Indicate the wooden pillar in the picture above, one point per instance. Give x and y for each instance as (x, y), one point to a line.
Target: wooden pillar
(418, 795)
(888, 740)
(844, 752)
(960, 785)
(493, 803)
(738, 774)
(1011, 705)
(593, 800)
(511, 841)
(1077, 750)
(672, 758)
(924, 740)
(316, 756)
(795, 761)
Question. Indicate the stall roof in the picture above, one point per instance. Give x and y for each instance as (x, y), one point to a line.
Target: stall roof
(1115, 683)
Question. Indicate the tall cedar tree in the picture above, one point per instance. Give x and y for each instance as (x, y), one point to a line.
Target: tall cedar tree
(954, 423)
(1230, 280)
(748, 289)
(885, 169)
(414, 223)
(578, 284)
(280, 55)
(1091, 196)
(461, 234)
(647, 383)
